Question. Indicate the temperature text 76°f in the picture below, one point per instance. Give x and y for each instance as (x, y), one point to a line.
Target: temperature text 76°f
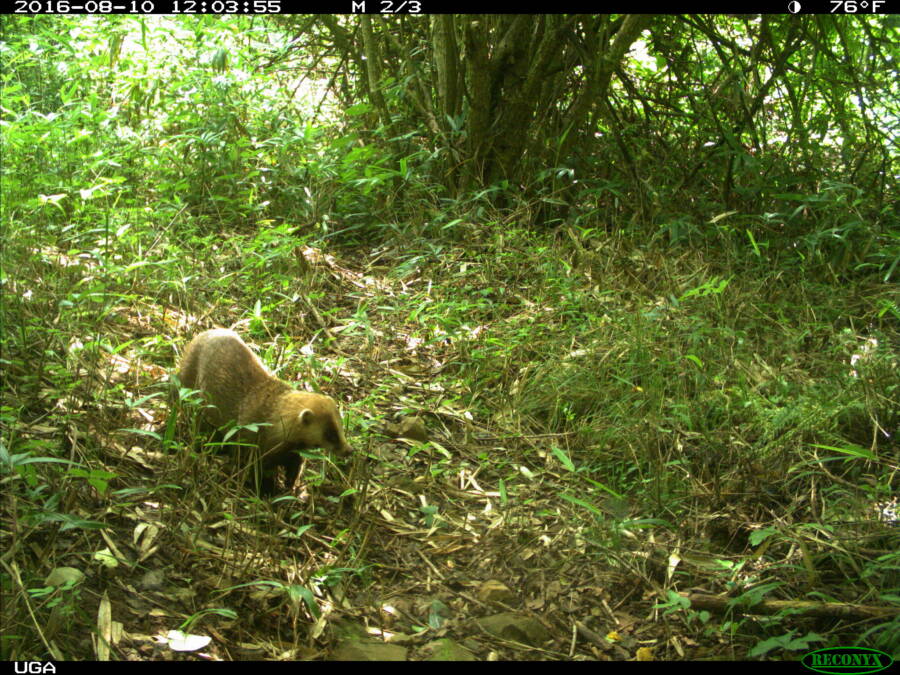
(856, 6)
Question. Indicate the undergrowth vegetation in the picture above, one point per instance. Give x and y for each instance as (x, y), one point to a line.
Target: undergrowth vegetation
(624, 410)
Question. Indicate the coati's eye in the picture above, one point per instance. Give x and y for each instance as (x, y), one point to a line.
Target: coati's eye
(331, 436)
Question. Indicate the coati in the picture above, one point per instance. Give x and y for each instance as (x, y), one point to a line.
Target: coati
(239, 388)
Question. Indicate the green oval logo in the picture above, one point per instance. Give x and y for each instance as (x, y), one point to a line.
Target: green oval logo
(842, 660)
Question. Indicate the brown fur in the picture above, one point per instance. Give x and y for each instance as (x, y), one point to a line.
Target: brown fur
(239, 389)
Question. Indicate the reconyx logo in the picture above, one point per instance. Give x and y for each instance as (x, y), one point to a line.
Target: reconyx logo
(856, 660)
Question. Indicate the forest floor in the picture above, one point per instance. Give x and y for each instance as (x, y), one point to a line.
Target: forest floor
(552, 461)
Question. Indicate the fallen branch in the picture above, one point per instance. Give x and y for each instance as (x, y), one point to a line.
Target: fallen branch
(842, 610)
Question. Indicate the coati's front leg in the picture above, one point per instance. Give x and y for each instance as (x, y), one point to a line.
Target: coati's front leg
(291, 469)
(267, 484)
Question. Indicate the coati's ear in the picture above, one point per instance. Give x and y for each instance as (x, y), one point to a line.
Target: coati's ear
(306, 416)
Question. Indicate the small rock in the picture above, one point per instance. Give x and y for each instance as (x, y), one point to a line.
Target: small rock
(492, 591)
(152, 580)
(412, 428)
(446, 649)
(364, 650)
(510, 626)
